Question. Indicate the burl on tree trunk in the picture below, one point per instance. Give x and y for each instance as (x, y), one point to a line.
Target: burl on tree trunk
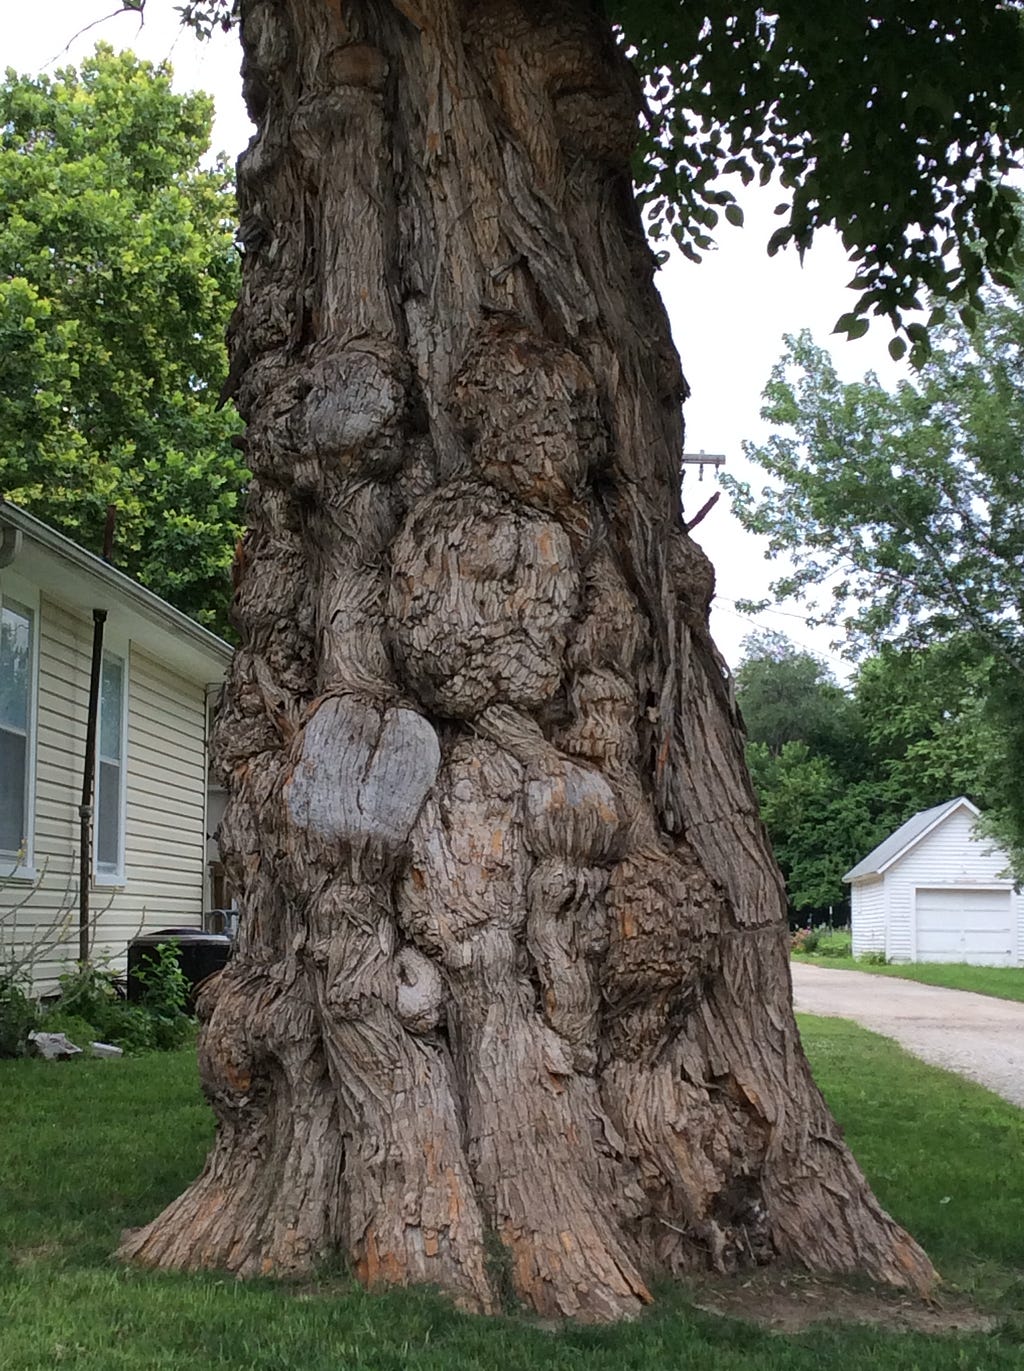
(511, 996)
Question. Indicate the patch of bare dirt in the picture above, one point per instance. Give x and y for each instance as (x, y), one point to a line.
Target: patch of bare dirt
(791, 1302)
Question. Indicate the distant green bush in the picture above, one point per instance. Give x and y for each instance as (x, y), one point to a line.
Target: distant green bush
(835, 942)
(823, 941)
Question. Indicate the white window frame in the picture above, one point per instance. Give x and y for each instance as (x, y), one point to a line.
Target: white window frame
(114, 645)
(23, 593)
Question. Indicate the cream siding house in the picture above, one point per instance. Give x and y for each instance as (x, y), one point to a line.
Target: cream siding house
(149, 864)
(937, 891)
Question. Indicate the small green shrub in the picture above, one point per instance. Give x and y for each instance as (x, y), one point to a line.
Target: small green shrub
(19, 1015)
(91, 994)
(93, 997)
(834, 942)
(165, 996)
(164, 984)
(77, 1029)
(872, 958)
(805, 940)
(132, 1028)
(822, 941)
(171, 1031)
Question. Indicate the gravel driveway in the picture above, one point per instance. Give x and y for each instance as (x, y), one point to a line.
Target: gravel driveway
(977, 1035)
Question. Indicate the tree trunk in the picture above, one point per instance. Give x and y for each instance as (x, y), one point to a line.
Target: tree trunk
(511, 996)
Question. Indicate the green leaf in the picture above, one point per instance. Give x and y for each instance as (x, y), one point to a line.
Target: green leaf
(734, 215)
(778, 239)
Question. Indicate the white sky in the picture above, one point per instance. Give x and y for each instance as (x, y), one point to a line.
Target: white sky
(728, 314)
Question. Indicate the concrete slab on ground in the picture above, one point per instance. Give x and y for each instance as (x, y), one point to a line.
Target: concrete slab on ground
(977, 1035)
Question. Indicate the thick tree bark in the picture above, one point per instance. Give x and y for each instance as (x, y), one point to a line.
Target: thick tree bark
(511, 994)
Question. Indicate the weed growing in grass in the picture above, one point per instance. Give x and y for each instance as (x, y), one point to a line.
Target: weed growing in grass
(498, 1260)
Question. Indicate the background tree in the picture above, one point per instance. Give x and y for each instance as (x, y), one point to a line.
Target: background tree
(906, 508)
(512, 971)
(928, 727)
(788, 696)
(809, 760)
(819, 824)
(117, 277)
(836, 770)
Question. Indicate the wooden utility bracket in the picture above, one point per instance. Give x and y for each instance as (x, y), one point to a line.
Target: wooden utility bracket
(702, 460)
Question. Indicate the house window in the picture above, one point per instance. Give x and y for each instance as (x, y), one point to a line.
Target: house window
(108, 827)
(17, 727)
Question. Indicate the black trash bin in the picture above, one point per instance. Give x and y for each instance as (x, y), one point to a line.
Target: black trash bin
(199, 955)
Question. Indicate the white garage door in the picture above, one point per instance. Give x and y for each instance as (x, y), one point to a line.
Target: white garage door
(965, 926)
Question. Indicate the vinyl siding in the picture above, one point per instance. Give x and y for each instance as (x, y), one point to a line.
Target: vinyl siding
(165, 797)
(867, 915)
(950, 856)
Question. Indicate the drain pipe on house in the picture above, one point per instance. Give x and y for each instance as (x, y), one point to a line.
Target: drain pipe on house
(85, 809)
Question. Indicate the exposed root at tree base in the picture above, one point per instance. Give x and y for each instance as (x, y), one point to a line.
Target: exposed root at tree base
(790, 1301)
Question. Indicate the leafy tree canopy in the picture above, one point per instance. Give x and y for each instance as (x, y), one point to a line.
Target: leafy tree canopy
(926, 723)
(807, 759)
(907, 506)
(117, 276)
(893, 121)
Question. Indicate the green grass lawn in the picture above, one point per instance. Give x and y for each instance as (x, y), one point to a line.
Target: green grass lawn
(89, 1148)
(1004, 982)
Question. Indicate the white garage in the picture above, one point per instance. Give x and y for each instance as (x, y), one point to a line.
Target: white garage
(937, 891)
